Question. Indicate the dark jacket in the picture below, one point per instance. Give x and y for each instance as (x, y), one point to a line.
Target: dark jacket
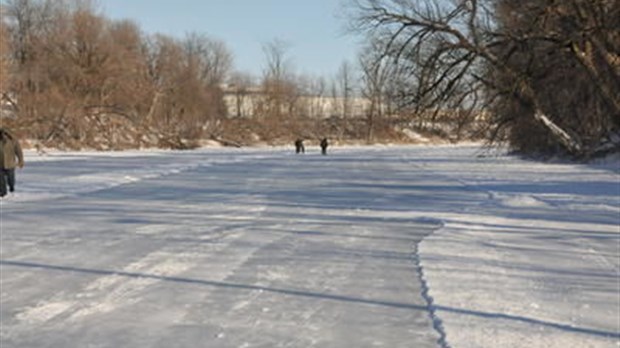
(324, 143)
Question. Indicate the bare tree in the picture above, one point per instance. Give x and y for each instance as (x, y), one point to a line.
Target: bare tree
(560, 44)
(211, 58)
(6, 63)
(444, 46)
(280, 88)
(318, 90)
(375, 73)
(347, 91)
(277, 65)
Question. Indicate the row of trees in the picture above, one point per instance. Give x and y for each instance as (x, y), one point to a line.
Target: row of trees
(75, 78)
(544, 73)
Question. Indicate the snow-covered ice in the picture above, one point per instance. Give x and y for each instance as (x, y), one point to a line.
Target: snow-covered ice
(434, 246)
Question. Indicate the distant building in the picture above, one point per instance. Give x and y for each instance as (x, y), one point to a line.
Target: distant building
(245, 101)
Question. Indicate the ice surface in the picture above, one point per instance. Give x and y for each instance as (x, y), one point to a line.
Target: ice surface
(265, 248)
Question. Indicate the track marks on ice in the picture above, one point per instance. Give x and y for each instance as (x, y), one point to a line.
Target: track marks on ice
(109, 292)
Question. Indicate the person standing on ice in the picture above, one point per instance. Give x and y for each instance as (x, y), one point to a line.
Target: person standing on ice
(299, 146)
(324, 145)
(11, 156)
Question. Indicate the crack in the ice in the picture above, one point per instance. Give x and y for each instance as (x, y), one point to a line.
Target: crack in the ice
(437, 322)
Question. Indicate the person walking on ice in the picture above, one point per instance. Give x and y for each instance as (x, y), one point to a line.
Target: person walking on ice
(11, 156)
(324, 145)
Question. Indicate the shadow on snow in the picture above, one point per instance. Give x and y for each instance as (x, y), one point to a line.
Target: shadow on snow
(315, 295)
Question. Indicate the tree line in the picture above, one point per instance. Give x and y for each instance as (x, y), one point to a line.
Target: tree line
(540, 75)
(74, 78)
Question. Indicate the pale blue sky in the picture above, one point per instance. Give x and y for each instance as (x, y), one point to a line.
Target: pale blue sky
(314, 29)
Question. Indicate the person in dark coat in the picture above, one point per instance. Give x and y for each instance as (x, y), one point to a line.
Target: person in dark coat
(299, 146)
(324, 145)
(11, 156)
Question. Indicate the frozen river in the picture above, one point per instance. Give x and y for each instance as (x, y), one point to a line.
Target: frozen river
(257, 250)
(366, 247)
